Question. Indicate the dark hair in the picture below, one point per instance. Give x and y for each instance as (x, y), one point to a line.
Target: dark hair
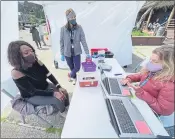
(14, 54)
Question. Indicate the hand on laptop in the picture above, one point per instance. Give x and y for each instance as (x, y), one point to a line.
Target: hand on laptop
(125, 81)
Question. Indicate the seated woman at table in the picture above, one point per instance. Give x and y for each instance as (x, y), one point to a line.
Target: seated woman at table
(30, 74)
(156, 81)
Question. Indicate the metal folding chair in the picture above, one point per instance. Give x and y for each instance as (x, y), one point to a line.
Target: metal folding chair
(10, 83)
(23, 116)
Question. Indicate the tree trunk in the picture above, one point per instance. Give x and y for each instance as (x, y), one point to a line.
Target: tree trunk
(143, 17)
(145, 14)
(149, 18)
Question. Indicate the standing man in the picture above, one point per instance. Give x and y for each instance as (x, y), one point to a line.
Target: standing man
(41, 33)
(35, 36)
(71, 36)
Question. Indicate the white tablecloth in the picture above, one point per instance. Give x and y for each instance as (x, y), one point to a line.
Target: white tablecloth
(88, 117)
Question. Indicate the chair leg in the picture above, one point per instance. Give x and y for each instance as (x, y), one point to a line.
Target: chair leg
(51, 125)
(23, 119)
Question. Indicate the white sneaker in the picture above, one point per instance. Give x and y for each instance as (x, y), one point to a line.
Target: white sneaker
(69, 78)
(74, 81)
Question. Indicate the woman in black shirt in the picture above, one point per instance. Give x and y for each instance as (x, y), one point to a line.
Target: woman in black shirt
(30, 74)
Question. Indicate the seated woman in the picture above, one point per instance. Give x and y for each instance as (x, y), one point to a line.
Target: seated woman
(30, 74)
(156, 81)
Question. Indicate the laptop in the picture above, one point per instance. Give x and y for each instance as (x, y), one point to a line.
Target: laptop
(126, 119)
(113, 86)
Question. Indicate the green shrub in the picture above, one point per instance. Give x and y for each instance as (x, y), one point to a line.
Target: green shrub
(139, 33)
(54, 130)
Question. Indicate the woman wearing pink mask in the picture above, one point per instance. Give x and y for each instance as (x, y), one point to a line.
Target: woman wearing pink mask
(156, 86)
(156, 81)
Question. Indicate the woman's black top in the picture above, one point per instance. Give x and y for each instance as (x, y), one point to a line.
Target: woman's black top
(34, 82)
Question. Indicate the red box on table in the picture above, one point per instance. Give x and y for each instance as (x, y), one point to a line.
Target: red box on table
(95, 50)
(88, 80)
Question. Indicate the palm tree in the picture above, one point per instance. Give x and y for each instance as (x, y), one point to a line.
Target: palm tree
(151, 5)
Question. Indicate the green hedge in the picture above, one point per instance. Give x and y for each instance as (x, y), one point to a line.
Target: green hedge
(139, 33)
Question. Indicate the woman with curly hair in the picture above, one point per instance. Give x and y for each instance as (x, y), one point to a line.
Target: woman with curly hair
(30, 74)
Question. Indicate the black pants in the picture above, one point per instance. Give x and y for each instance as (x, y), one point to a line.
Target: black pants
(38, 43)
(46, 100)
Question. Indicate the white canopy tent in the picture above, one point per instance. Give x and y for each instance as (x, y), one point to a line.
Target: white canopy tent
(9, 32)
(105, 23)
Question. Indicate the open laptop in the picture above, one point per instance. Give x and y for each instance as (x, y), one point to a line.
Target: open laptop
(126, 118)
(113, 85)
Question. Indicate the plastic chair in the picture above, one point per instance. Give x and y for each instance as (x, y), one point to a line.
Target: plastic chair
(10, 84)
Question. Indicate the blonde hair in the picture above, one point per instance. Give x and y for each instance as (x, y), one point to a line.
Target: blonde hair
(166, 55)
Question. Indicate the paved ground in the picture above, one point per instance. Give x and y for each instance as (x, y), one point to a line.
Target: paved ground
(11, 130)
(10, 123)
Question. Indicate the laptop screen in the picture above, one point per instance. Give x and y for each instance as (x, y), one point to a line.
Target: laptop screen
(102, 74)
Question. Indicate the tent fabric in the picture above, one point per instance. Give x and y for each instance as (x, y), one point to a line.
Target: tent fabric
(105, 23)
(9, 32)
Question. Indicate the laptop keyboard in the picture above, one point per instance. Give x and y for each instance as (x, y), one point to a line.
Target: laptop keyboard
(115, 88)
(124, 119)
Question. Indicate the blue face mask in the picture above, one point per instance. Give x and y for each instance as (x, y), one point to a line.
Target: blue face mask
(73, 21)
